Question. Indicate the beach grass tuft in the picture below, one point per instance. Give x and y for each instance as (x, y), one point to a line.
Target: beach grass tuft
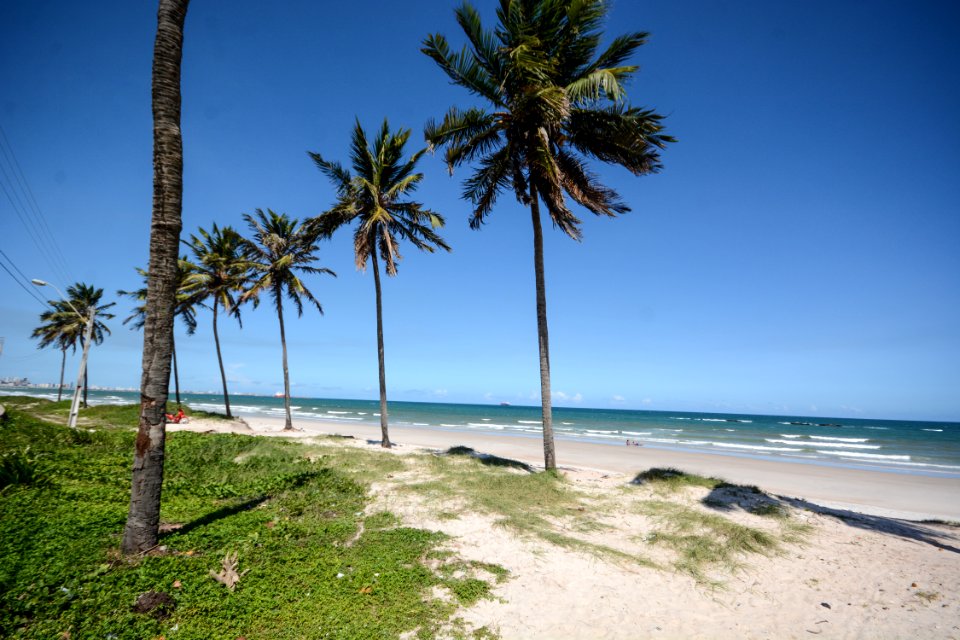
(674, 479)
(702, 539)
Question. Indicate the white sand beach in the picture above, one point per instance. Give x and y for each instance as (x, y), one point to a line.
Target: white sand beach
(868, 568)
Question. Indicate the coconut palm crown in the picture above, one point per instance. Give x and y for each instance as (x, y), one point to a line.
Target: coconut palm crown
(64, 325)
(218, 273)
(555, 102)
(279, 249)
(375, 196)
(186, 307)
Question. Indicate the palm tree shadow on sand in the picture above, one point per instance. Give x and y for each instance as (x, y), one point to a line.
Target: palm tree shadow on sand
(488, 458)
(727, 497)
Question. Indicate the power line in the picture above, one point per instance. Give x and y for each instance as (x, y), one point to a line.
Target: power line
(37, 241)
(22, 286)
(25, 185)
(26, 280)
(28, 210)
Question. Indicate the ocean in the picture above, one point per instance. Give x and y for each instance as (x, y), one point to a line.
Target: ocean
(926, 448)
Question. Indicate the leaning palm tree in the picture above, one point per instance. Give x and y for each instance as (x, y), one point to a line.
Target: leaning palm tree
(85, 299)
(554, 103)
(60, 327)
(143, 518)
(185, 310)
(375, 199)
(219, 274)
(281, 247)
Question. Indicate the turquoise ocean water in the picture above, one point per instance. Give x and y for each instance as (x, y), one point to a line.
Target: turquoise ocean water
(929, 448)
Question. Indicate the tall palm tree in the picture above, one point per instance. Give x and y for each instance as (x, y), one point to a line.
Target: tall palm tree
(143, 520)
(59, 328)
(219, 274)
(554, 103)
(185, 310)
(375, 199)
(86, 299)
(281, 247)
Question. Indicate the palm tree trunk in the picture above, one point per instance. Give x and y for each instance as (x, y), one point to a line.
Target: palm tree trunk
(288, 425)
(143, 520)
(63, 364)
(223, 375)
(86, 383)
(549, 453)
(385, 436)
(176, 374)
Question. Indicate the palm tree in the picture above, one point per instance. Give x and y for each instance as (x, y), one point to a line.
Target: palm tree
(374, 198)
(279, 249)
(218, 273)
(185, 310)
(85, 299)
(554, 103)
(60, 328)
(143, 520)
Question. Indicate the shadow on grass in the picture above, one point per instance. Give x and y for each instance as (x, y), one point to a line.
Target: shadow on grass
(726, 497)
(219, 514)
(488, 459)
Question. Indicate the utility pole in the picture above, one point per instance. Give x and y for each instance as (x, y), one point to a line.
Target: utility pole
(87, 339)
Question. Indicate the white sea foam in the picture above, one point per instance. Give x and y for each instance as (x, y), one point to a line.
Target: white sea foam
(937, 430)
(450, 425)
(878, 428)
(832, 439)
(754, 447)
(839, 445)
(361, 413)
(343, 412)
(636, 433)
(789, 435)
(485, 419)
(529, 422)
(566, 423)
(871, 456)
(488, 425)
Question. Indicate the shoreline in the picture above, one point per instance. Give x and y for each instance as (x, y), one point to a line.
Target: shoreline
(907, 496)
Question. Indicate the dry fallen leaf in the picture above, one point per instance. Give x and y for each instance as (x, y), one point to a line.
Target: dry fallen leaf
(228, 576)
(366, 590)
(177, 584)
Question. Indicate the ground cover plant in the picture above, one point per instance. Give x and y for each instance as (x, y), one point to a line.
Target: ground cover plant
(286, 536)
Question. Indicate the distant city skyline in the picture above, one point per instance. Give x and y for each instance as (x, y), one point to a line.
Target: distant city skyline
(797, 255)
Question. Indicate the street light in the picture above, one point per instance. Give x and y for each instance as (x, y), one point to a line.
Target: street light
(88, 335)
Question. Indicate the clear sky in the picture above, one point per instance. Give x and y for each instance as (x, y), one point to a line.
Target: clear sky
(799, 253)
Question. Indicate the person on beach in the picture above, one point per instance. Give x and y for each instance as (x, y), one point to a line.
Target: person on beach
(178, 418)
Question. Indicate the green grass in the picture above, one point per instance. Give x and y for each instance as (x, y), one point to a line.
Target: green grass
(531, 504)
(674, 480)
(318, 568)
(703, 540)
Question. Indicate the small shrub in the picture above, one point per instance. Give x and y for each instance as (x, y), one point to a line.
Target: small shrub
(20, 467)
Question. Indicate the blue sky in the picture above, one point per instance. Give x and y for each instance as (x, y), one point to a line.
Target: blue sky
(798, 253)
